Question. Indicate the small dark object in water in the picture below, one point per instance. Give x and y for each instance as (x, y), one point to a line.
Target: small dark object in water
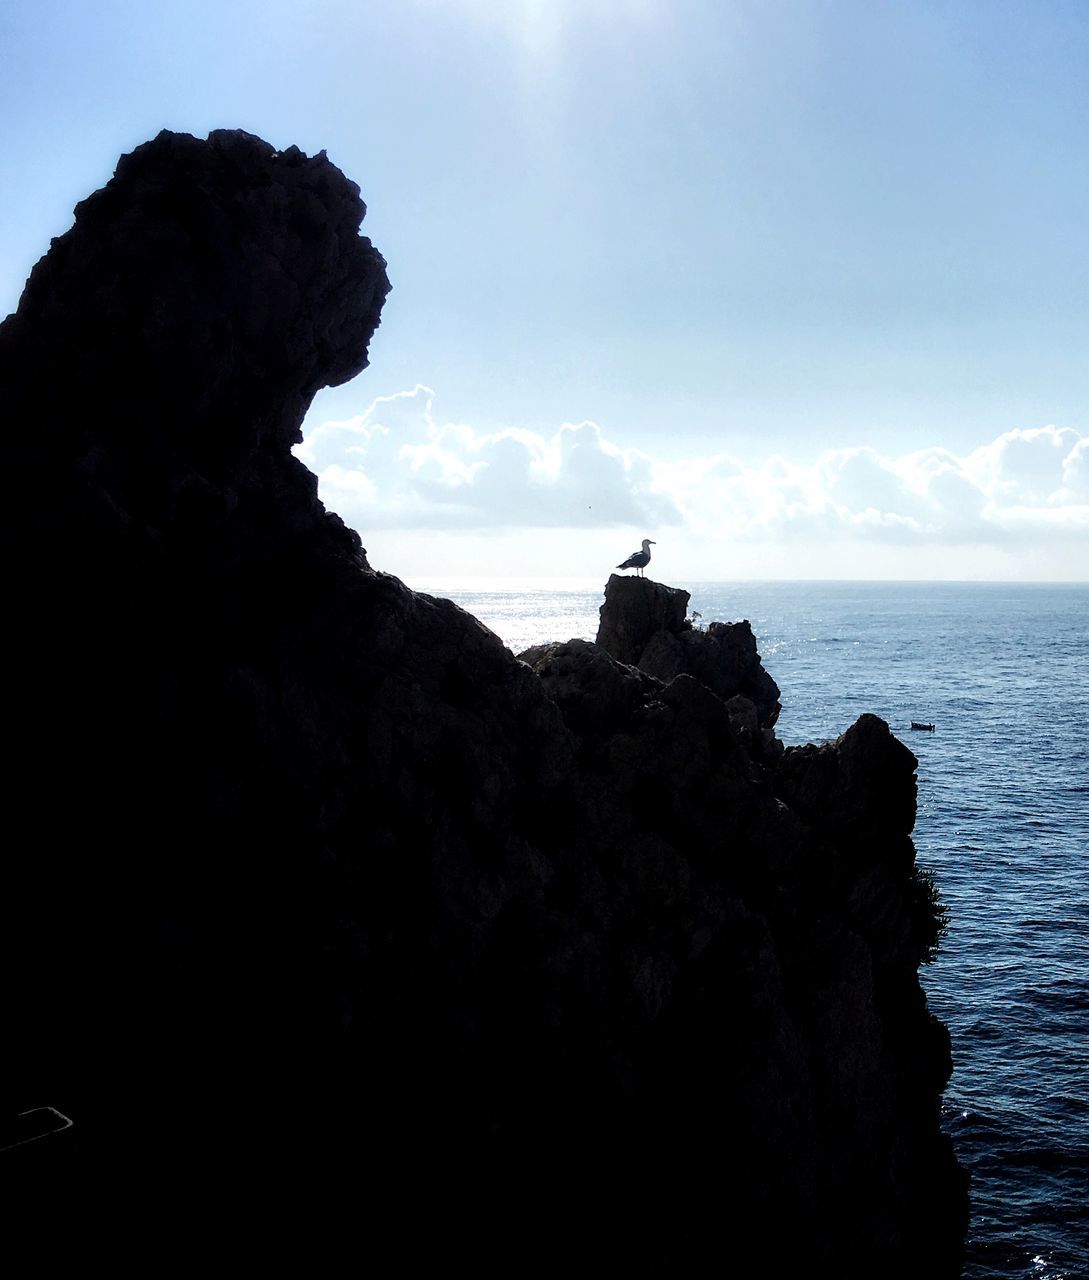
(928, 727)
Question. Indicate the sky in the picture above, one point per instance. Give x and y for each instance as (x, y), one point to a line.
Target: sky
(796, 288)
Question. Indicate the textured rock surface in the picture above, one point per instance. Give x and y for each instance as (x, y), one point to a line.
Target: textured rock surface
(535, 960)
(636, 609)
(644, 623)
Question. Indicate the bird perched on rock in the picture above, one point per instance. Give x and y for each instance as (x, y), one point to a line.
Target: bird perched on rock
(639, 559)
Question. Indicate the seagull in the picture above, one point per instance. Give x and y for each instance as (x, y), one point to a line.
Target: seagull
(639, 559)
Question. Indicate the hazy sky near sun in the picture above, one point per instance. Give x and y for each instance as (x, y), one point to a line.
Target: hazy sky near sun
(795, 287)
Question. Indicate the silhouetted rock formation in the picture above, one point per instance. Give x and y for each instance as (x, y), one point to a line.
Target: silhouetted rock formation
(645, 624)
(635, 610)
(539, 965)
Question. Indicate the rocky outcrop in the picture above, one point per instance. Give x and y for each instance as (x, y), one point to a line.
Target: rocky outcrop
(635, 611)
(534, 960)
(645, 624)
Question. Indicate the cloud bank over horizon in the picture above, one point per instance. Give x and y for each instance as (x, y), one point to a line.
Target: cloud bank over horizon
(1019, 500)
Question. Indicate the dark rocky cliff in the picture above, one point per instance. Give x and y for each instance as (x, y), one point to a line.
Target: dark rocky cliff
(540, 961)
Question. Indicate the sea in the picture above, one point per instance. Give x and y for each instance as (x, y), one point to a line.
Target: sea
(1002, 673)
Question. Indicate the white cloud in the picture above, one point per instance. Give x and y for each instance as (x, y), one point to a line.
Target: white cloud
(1075, 486)
(1023, 468)
(1024, 495)
(395, 466)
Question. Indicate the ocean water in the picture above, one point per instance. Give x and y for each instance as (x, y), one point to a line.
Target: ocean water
(1002, 671)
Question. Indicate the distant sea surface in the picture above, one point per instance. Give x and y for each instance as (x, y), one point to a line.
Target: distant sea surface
(1002, 671)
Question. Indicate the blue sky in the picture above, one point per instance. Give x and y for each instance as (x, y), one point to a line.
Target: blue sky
(796, 288)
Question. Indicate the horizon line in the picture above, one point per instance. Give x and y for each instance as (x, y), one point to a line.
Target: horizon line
(582, 579)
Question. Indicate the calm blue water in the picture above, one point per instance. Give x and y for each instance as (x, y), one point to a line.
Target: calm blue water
(1003, 672)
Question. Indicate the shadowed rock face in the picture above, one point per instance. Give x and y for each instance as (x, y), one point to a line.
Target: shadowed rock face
(534, 960)
(644, 623)
(636, 610)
